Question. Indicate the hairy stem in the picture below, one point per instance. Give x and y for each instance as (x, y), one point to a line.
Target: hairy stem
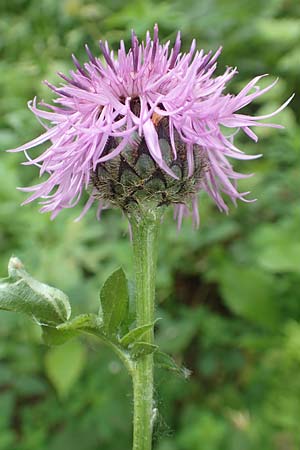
(144, 235)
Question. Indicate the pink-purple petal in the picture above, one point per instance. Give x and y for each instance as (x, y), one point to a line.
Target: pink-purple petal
(94, 104)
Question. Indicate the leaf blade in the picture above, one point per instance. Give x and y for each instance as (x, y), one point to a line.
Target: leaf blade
(135, 334)
(164, 361)
(141, 349)
(63, 366)
(114, 301)
(83, 322)
(22, 293)
(53, 336)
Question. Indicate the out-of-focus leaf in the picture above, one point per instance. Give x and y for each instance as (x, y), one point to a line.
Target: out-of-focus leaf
(54, 336)
(205, 427)
(282, 32)
(276, 248)
(64, 365)
(289, 63)
(249, 293)
(292, 341)
(174, 336)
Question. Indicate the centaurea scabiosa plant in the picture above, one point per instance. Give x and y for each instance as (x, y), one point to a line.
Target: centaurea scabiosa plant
(139, 130)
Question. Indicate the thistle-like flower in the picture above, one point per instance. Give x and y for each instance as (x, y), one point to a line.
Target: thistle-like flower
(143, 126)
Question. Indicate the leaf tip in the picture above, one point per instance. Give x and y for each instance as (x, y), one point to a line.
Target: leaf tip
(15, 264)
(186, 373)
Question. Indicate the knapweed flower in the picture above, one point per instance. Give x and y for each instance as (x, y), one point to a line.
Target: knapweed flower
(144, 125)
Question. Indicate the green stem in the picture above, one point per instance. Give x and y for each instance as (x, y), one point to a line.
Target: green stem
(144, 235)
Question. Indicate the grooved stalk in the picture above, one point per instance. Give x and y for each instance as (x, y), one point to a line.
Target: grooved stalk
(144, 235)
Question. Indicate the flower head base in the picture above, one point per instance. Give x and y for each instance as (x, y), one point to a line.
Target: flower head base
(143, 126)
(133, 178)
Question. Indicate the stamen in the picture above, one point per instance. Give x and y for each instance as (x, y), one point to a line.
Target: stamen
(155, 43)
(176, 50)
(105, 51)
(70, 80)
(90, 55)
(134, 49)
(78, 66)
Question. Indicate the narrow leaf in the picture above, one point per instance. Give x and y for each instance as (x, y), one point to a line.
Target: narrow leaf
(135, 334)
(164, 361)
(22, 293)
(114, 301)
(141, 349)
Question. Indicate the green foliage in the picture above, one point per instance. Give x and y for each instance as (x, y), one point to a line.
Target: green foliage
(140, 349)
(22, 293)
(164, 361)
(252, 295)
(83, 322)
(54, 336)
(276, 250)
(114, 302)
(51, 309)
(64, 364)
(135, 334)
(228, 293)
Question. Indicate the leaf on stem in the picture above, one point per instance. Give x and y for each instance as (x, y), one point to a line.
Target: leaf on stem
(134, 335)
(22, 293)
(114, 302)
(164, 361)
(141, 349)
(62, 333)
(83, 322)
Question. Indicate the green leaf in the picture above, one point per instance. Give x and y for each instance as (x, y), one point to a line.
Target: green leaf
(279, 32)
(22, 293)
(114, 301)
(141, 349)
(67, 330)
(249, 293)
(135, 334)
(164, 361)
(93, 324)
(54, 336)
(83, 322)
(64, 365)
(277, 249)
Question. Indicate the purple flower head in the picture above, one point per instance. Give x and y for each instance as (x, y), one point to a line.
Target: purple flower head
(103, 108)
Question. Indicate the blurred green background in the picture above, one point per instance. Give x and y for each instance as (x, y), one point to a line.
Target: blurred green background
(229, 293)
